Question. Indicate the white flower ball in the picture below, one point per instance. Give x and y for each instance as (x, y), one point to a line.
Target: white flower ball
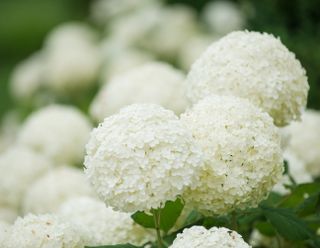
(198, 236)
(19, 167)
(242, 154)
(223, 17)
(43, 231)
(140, 158)
(256, 66)
(305, 140)
(100, 225)
(26, 79)
(48, 192)
(57, 131)
(154, 82)
(297, 170)
(9, 128)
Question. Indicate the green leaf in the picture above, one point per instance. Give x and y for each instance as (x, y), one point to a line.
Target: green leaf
(309, 205)
(114, 246)
(287, 223)
(168, 216)
(143, 219)
(272, 200)
(193, 217)
(265, 228)
(170, 213)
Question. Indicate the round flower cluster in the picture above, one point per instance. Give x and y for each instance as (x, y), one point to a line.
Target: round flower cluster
(198, 236)
(141, 157)
(305, 140)
(223, 17)
(48, 192)
(242, 154)
(19, 167)
(99, 225)
(26, 78)
(57, 131)
(154, 82)
(42, 231)
(255, 66)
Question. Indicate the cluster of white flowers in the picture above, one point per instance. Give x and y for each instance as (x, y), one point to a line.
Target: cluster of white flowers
(241, 151)
(305, 140)
(140, 158)
(47, 193)
(154, 82)
(4, 232)
(19, 167)
(256, 66)
(60, 132)
(198, 236)
(42, 231)
(100, 225)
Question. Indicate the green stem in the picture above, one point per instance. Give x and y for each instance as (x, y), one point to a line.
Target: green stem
(156, 218)
(234, 221)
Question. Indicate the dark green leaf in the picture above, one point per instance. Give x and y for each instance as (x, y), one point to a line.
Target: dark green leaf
(170, 213)
(265, 228)
(272, 200)
(143, 219)
(287, 223)
(114, 246)
(193, 217)
(309, 205)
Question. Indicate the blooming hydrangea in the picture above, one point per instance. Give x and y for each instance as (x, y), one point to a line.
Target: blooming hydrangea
(71, 61)
(305, 140)
(100, 225)
(41, 232)
(151, 83)
(198, 236)
(48, 192)
(57, 131)
(26, 78)
(140, 158)
(4, 233)
(223, 17)
(256, 66)
(19, 167)
(242, 154)
(297, 170)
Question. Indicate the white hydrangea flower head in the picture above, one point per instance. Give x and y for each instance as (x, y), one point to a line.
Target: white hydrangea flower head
(140, 158)
(19, 167)
(72, 60)
(26, 79)
(43, 231)
(256, 66)
(8, 214)
(174, 27)
(198, 236)
(305, 140)
(297, 170)
(257, 240)
(5, 229)
(9, 128)
(48, 192)
(100, 225)
(58, 131)
(104, 10)
(223, 17)
(193, 48)
(154, 82)
(242, 153)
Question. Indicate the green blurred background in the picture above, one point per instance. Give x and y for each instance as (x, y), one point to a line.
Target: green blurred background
(25, 23)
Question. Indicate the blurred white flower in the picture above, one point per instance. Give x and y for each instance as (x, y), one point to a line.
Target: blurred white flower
(100, 225)
(9, 128)
(5, 229)
(47, 193)
(58, 131)
(8, 214)
(242, 154)
(305, 140)
(140, 158)
(19, 167)
(198, 236)
(256, 66)
(154, 82)
(43, 231)
(223, 17)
